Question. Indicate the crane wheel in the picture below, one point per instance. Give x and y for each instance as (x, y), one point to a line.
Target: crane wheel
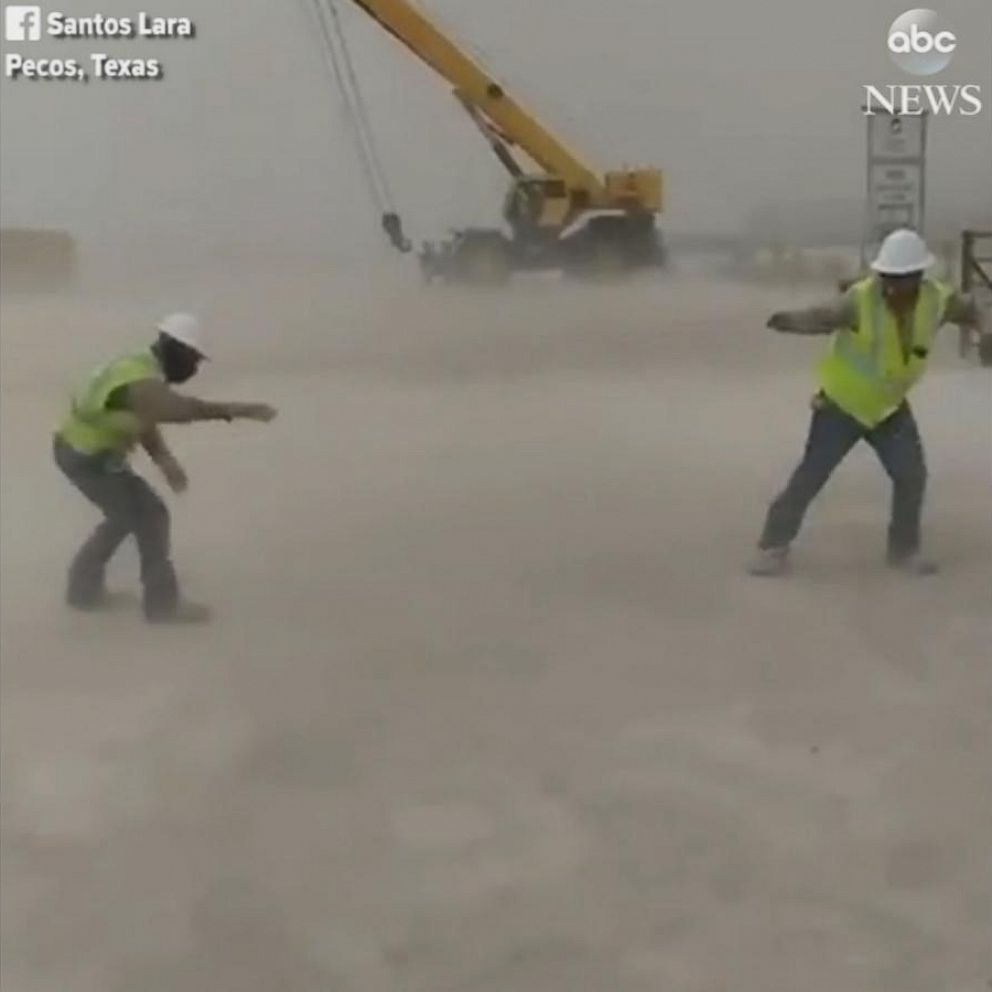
(481, 258)
(611, 247)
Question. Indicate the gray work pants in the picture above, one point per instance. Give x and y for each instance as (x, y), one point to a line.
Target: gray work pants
(832, 434)
(129, 506)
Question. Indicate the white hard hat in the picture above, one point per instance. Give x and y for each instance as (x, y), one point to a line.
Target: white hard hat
(184, 328)
(902, 252)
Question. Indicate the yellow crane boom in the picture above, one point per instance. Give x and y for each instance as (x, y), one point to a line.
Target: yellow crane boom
(476, 87)
(544, 208)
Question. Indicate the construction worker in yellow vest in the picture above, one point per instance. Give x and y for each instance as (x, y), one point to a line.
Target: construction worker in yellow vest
(884, 329)
(118, 408)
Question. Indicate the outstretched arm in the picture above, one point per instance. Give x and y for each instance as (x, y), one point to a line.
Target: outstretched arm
(155, 403)
(963, 309)
(822, 319)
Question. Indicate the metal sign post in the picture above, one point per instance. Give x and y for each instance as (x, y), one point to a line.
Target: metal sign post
(896, 175)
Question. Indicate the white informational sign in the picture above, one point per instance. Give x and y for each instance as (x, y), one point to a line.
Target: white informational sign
(896, 175)
(892, 136)
(897, 194)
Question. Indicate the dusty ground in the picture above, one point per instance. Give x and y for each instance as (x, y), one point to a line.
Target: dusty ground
(488, 704)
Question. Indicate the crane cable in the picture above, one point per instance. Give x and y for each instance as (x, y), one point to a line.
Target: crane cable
(339, 61)
(361, 110)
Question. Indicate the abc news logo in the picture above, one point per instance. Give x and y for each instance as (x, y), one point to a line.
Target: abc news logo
(922, 44)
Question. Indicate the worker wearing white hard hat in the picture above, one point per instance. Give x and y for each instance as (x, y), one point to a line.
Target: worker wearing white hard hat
(119, 407)
(883, 330)
(903, 253)
(184, 328)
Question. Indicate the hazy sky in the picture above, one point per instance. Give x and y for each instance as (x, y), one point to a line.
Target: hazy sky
(243, 146)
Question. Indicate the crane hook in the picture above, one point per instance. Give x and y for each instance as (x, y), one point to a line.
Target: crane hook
(393, 226)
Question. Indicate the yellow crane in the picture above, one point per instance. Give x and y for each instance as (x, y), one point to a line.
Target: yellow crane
(561, 212)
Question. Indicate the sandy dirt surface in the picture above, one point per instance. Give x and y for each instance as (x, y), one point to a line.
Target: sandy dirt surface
(488, 703)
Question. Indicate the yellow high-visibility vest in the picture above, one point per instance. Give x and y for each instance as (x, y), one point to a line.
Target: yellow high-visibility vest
(91, 427)
(866, 372)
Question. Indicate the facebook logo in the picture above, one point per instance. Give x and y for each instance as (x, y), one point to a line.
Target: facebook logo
(22, 23)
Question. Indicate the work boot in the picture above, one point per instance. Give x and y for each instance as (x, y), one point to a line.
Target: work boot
(769, 562)
(913, 563)
(184, 612)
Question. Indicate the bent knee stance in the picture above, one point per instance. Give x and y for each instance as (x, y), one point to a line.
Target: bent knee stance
(151, 524)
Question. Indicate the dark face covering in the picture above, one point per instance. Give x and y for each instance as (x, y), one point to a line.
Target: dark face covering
(178, 361)
(901, 291)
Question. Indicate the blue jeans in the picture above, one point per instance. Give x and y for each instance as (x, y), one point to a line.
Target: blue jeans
(832, 434)
(129, 506)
